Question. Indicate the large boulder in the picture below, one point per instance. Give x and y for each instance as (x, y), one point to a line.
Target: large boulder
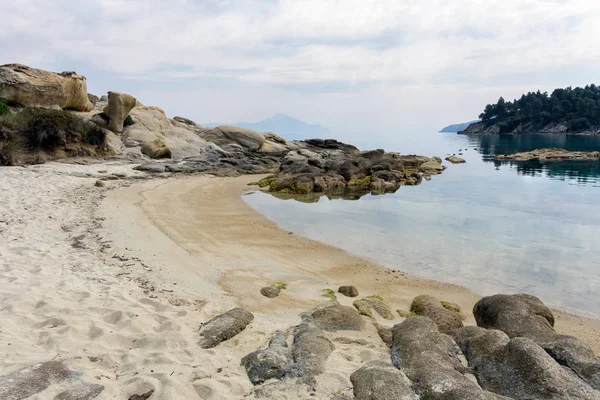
(230, 137)
(377, 380)
(522, 315)
(33, 379)
(433, 360)
(118, 108)
(518, 368)
(310, 350)
(156, 149)
(223, 327)
(366, 306)
(337, 318)
(30, 87)
(428, 306)
(274, 362)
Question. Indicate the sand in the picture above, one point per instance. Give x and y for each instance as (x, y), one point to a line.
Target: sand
(117, 281)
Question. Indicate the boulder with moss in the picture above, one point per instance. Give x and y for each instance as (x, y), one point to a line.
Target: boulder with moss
(429, 306)
(368, 304)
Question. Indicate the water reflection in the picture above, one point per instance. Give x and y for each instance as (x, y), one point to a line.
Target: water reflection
(578, 172)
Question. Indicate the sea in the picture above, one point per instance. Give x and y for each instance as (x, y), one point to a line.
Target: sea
(494, 227)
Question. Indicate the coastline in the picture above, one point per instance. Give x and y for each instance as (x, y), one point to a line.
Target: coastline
(116, 282)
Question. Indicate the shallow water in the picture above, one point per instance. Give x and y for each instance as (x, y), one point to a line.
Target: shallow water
(493, 227)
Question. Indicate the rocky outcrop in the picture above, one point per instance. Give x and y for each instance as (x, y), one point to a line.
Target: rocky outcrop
(526, 316)
(432, 359)
(551, 154)
(234, 138)
(223, 327)
(337, 318)
(488, 127)
(30, 87)
(455, 160)
(518, 368)
(118, 108)
(156, 149)
(377, 380)
(428, 306)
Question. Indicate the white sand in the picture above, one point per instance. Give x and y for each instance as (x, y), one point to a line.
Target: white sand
(119, 286)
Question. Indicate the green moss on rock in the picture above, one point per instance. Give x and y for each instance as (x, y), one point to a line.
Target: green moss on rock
(329, 293)
(450, 306)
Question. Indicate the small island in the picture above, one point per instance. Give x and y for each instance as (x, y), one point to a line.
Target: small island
(569, 110)
(551, 154)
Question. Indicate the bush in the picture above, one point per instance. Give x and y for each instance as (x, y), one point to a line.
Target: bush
(4, 110)
(578, 124)
(128, 121)
(11, 144)
(47, 129)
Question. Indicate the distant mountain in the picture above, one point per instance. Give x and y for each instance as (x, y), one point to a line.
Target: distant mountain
(285, 126)
(458, 127)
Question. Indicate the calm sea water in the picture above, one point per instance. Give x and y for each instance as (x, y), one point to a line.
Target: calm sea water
(493, 227)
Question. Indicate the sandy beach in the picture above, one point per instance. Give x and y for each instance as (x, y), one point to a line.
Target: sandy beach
(117, 281)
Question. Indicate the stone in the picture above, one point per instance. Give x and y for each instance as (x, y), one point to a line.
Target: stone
(270, 291)
(523, 315)
(223, 327)
(80, 391)
(366, 305)
(30, 87)
(428, 306)
(378, 380)
(551, 154)
(518, 368)
(34, 379)
(118, 108)
(348, 291)
(274, 362)
(227, 135)
(143, 396)
(310, 350)
(100, 184)
(156, 149)
(385, 334)
(337, 318)
(152, 167)
(455, 160)
(93, 98)
(433, 360)
(432, 167)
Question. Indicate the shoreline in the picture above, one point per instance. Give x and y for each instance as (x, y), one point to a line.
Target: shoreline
(116, 282)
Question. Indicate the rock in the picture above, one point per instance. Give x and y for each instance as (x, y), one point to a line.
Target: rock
(522, 315)
(348, 291)
(272, 137)
(223, 327)
(275, 362)
(93, 98)
(518, 368)
(34, 379)
(432, 359)
(551, 154)
(156, 149)
(337, 318)
(364, 307)
(185, 121)
(385, 334)
(152, 167)
(310, 350)
(81, 391)
(377, 380)
(226, 135)
(118, 108)
(271, 147)
(30, 87)
(100, 184)
(270, 291)
(455, 160)
(432, 167)
(428, 306)
(143, 396)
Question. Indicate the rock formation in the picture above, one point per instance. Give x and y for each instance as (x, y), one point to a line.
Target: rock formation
(223, 327)
(551, 154)
(30, 87)
(118, 108)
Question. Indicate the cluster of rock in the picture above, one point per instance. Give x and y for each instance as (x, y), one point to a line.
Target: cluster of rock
(551, 154)
(483, 128)
(513, 353)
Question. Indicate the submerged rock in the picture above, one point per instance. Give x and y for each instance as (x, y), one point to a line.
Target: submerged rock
(223, 327)
(551, 154)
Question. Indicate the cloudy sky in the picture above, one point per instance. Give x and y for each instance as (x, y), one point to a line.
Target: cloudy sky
(356, 66)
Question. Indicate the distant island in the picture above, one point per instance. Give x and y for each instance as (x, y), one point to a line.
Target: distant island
(459, 127)
(288, 127)
(566, 110)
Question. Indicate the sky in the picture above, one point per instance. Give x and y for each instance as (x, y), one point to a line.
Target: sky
(359, 67)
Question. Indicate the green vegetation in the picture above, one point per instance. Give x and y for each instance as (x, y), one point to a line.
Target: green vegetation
(363, 308)
(280, 285)
(329, 293)
(406, 314)
(4, 110)
(578, 108)
(450, 306)
(128, 121)
(32, 133)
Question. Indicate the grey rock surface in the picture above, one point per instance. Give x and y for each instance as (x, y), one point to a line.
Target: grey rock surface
(223, 327)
